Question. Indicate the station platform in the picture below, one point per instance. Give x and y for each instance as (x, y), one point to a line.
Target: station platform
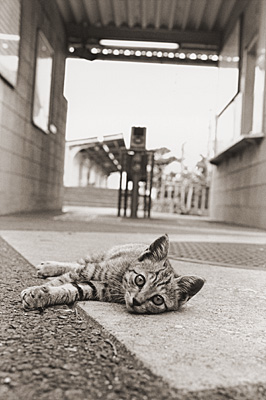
(212, 348)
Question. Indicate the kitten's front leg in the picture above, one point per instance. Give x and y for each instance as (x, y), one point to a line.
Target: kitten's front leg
(55, 268)
(79, 273)
(42, 296)
(63, 289)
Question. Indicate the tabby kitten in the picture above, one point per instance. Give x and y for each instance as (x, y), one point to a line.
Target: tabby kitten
(140, 277)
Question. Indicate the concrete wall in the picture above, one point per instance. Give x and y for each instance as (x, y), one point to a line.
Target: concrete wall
(32, 162)
(239, 188)
(239, 183)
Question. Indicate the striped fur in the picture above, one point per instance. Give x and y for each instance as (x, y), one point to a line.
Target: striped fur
(139, 276)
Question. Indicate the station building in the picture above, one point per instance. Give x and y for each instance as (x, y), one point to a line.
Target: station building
(36, 36)
(239, 180)
(33, 45)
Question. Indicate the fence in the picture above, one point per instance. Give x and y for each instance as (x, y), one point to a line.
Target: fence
(181, 198)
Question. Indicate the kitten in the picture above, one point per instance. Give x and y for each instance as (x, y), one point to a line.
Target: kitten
(136, 275)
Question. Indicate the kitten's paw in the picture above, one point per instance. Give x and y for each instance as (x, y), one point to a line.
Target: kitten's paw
(35, 297)
(46, 269)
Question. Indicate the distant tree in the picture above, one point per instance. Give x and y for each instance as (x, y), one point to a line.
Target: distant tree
(202, 167)
(160, 162)
(187, 182)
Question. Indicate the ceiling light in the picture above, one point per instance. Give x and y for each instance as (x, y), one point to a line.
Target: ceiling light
(7, 36)
(139, 44)
(193, 56)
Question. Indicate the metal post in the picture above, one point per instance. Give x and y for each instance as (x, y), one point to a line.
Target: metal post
(126, 197)
(151, 179)
(120, 193)
(134, 196)
(145, 198)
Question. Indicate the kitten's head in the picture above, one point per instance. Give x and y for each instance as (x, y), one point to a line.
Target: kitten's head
(151, 285)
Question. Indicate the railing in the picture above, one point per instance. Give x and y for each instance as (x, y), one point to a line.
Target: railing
(182, 198)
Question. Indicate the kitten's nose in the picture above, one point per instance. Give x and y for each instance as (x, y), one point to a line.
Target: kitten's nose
(136, 302)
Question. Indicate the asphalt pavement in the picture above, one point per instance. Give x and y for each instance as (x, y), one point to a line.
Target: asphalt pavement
(211, 349)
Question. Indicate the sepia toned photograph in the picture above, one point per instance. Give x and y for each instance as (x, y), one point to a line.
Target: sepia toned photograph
(132, 199)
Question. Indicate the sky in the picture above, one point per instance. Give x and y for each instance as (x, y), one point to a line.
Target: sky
(175, 103)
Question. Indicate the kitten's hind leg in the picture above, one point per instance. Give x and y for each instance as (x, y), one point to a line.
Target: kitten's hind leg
(77, 273)
(55, 268)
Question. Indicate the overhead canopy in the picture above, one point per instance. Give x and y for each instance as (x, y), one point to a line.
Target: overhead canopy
(105, 151)
(197, 27)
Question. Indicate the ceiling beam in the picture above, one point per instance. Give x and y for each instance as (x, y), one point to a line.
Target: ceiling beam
(143, 14)
(129, 13)
(199, 12)
(77, 10)
(78, 34)
(158, 14)
(186, 14)
(65, 10)
(172, 12)
(235, 14)
(115, 12)
(86, 54)
(213, 12)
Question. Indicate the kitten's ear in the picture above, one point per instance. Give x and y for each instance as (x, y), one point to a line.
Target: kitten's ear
(188, 286)
(157, 250)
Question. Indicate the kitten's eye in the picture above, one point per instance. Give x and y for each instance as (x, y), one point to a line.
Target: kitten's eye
(140, 280)
(158, 300)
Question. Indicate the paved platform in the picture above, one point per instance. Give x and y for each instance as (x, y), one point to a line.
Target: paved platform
(217, 340)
